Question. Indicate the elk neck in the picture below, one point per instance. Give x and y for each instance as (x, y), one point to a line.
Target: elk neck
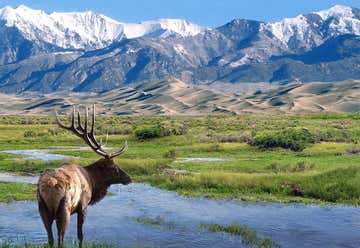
(97, 181)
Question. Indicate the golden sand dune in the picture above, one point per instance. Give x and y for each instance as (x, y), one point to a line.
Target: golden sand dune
(173, 97)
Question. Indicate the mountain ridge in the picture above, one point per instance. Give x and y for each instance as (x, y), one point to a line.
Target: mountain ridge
(241, 51)
(87, 30)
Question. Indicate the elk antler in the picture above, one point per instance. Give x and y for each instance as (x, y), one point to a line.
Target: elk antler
(88, 137)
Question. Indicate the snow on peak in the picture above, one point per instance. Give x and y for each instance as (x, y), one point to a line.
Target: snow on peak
(87, 30)
(340, 20)
(162, 28)
(288, 27)
(336, 11)
(335, 21)
(182, 27)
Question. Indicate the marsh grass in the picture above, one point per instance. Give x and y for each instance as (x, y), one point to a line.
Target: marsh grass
(16, 192)
(248, 236)
(326, 170)
(158, 223)
(26, 166)
(300, 166)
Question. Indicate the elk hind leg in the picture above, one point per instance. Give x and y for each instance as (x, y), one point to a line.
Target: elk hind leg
(62, 221)
(47, 218)
(80, 221)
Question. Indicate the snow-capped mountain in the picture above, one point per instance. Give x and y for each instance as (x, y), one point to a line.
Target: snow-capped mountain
(162, 28)
(319, 46)
(290, 35)
(313, 29)
(87, 30)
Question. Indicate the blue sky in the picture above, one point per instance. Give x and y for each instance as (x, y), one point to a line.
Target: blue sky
(210, 13)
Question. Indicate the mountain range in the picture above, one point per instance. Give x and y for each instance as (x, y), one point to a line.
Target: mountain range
(89, 52)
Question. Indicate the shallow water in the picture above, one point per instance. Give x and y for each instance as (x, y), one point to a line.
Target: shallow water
(112, 220)
(13, 178)
(202, 160)
(44, 155)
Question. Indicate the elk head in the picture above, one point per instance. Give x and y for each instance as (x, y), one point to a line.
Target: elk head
(108, 172)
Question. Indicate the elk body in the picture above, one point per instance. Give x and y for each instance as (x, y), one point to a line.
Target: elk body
(71, 188)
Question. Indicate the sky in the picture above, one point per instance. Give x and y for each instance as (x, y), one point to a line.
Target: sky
(211, 13)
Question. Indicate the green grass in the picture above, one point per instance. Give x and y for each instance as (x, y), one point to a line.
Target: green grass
(16, 191)
(327, 171)
(248, 236)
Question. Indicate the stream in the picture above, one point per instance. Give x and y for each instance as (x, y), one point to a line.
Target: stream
(113, 220)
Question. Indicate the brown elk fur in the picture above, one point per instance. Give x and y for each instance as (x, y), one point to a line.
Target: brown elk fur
(70, 189)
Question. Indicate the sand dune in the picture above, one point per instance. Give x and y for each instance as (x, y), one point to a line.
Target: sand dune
(173, 97)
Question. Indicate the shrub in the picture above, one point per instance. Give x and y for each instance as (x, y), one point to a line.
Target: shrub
(173, 128)
(148, 132)
(295, 139)
(160, 130)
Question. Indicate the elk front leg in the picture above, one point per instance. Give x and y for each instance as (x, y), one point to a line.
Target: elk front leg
(81, 215)
(47, 218)
(62, 221)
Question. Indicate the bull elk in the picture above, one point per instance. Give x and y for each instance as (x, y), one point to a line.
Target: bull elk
(71, 188)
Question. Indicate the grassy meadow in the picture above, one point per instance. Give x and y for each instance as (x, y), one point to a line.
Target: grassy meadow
(283, 158)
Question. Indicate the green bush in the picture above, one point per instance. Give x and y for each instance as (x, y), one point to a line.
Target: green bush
(148, 132)
(160, 130)
(295, 139)
(169, 128)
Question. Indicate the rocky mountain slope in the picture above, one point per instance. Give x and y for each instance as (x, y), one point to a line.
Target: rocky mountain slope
(322, 46)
